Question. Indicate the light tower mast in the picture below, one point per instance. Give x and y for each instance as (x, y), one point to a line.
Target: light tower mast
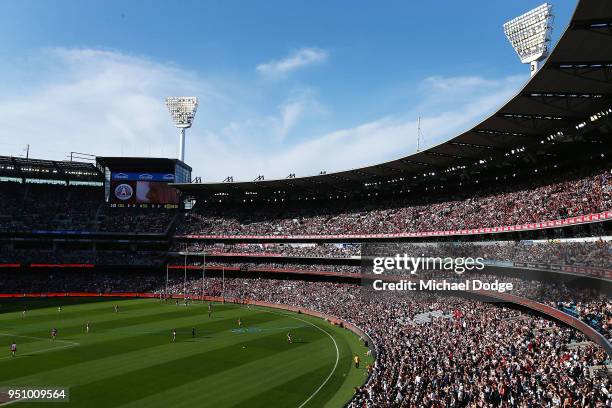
(529, 35)
(419, 135)
(182, 109)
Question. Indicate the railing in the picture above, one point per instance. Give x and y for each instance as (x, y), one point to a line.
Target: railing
(583, 219)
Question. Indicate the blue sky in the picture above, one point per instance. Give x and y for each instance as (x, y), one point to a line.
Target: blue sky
(284, 86)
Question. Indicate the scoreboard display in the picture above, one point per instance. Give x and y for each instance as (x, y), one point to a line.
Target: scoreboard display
(135, 189)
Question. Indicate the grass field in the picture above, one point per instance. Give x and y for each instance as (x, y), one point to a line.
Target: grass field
(128, 359)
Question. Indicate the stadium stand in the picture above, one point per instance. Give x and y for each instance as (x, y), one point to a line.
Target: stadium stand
(596, 252)
(67, 257)
(43, 195)
(48, 207)
(564, 199)
(532, 163)
(430, 349)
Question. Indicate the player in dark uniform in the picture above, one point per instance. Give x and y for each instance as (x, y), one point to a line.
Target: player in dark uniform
(53, 334)
(193, 332)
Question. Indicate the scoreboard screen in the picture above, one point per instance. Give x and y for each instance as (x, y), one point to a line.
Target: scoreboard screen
(129, 189)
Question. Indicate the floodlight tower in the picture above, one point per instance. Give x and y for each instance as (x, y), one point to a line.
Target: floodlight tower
(529, 35)
(182, 109)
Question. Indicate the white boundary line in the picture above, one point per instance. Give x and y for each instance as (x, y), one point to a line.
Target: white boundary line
(68, 344)
(3, 404)
(75, 344)
(335, 345)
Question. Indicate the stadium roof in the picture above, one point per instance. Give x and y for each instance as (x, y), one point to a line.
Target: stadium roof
(139, 163)
(562, 102)
(18, 167)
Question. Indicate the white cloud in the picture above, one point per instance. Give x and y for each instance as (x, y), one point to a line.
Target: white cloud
(269, 130)
(297, 59)
(108, 103)
(459, 83)
(372, 142)
(98, 102)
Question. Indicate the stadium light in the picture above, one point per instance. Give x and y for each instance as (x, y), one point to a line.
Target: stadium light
(182, 109)
(529, 35)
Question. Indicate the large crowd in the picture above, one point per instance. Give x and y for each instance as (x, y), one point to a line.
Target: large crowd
(78, 281)
(254, 266)
(592, 306)
(596, 253)
(99, 257)
(271, 249)
(593, 253)
(495, 206)
(133, 221)
(43, 207)
(50, 207)
(471, 354)
(475, 355)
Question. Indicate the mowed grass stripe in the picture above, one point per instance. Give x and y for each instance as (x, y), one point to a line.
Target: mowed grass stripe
(134, 364)
(118, 364)
(111, 347)
(340, 387)
(293, 389)
(42, 315)
(127, 387)
(148, 324)
(252, 381)
(8, 306)
(77, 319)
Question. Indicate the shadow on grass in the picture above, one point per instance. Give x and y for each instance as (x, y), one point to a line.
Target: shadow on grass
(9, 305)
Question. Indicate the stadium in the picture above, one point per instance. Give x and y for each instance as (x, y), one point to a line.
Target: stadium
(127, 282)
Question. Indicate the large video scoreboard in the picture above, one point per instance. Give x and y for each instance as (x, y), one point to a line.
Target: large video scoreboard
(132, 182)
